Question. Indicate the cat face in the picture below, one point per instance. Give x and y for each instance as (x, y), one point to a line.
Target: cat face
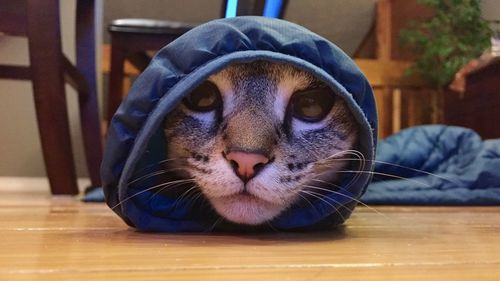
(255, 135)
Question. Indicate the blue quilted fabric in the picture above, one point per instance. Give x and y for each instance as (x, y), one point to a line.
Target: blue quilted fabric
(439, 165)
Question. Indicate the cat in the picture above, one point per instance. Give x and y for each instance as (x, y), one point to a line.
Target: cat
(256, 137)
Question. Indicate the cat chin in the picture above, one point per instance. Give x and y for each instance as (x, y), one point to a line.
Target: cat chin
(245, 209)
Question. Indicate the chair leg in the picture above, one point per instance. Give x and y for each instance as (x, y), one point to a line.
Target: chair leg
(89, 109)
(50, 101)
(139, 59)
(116, 76)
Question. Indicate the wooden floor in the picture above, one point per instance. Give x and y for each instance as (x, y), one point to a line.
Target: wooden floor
(59, 238)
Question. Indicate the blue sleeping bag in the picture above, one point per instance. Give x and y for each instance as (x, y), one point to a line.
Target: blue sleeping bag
(135, 140)
(436, 165)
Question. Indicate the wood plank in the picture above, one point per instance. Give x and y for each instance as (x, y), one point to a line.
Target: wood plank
(15, 72)
(388, 73)
(384, 111)
(384, 28)
(129, 69)
(396, 110)
(321, 273)
(120, 250)
(54, 238)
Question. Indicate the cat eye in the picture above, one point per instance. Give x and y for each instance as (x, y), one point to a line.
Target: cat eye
(312, 105)
(204, 98)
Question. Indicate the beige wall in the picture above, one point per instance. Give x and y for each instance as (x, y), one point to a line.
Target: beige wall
(491, 9)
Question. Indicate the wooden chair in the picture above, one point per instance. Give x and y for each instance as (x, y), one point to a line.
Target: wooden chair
(49, 69)
(131, 38)
(402, 100)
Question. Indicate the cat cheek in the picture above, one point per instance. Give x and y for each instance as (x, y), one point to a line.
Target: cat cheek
(268, 186)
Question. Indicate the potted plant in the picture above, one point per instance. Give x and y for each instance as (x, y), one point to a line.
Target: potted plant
(442, 44)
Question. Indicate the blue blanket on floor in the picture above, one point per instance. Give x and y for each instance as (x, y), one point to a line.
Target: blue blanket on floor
(440, 165)
(436, 165)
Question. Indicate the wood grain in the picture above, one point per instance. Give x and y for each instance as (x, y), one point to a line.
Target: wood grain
(56, 238)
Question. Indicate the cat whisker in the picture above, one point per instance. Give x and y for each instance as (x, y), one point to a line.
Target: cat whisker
(153, 174)
(320, 196)
(145, 168)
(272, 227)
(180, 198)
(346, 196)
(358, 154)
(400, 166)
(348, 151)
(212, 227)
(382, 174)
(307, 200)
(163, 188)
(386, 175)
(196, 197)
(190, 198)
(152, 188)
(361, 166)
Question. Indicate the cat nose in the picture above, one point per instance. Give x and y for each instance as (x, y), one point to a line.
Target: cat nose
(245, 164)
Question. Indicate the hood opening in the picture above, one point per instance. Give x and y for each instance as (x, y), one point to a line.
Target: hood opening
(147, 163)
(136, 143)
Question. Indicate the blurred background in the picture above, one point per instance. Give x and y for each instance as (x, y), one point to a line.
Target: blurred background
(367, 30)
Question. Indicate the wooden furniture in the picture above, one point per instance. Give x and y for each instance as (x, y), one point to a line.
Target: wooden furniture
(48, 71)
(131, 38)
(479, 107)
(47, 238)
(402, 100)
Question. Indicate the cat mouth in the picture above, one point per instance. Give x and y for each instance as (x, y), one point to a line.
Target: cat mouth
(245, 196)
(246, 208)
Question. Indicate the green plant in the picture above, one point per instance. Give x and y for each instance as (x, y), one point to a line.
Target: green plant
(455, 34)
